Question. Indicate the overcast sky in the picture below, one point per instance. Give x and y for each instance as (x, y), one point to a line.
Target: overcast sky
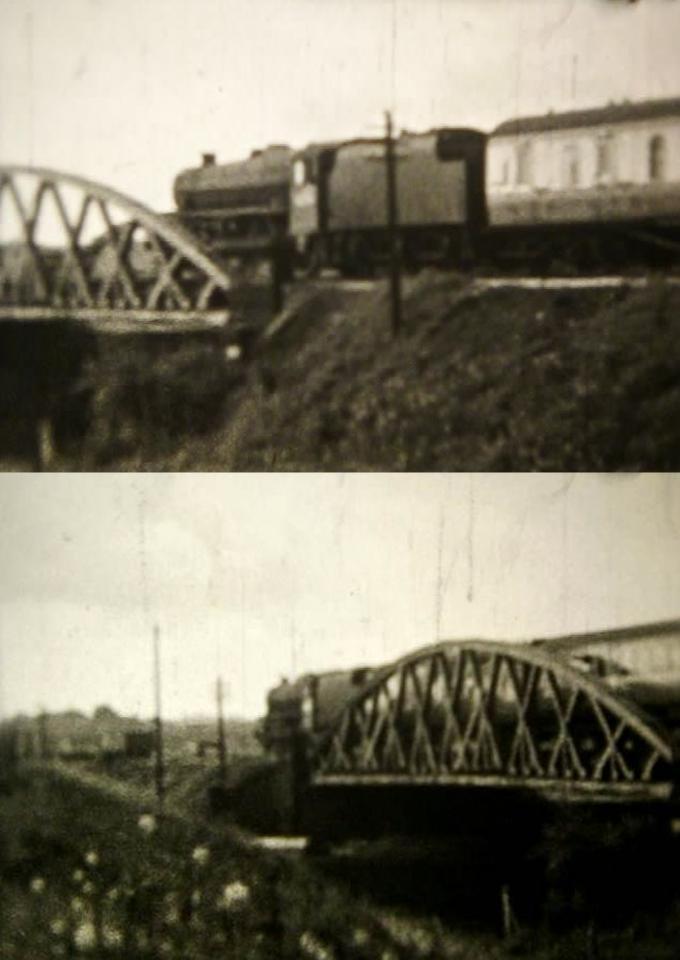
(260, 576)
(130, 91)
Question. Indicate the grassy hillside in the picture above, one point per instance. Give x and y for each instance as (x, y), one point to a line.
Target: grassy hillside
(502, 379)
(479, 379)
(124, 885)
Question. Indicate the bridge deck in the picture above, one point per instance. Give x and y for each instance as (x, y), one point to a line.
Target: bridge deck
(111, 321)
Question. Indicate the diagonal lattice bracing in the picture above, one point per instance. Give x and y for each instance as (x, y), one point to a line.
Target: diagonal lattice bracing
(73, 248)
(495, 714)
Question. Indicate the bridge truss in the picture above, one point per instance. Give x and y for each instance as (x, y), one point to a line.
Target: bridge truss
(499, 715)
(104, 257)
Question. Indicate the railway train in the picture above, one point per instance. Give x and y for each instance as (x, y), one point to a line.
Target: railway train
(590, 186)
(640, 663)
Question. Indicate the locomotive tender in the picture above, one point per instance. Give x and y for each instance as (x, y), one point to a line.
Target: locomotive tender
(338, 202)
(590, 186)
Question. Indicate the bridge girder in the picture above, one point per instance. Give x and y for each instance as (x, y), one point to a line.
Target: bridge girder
(495, 715)
(140, 265)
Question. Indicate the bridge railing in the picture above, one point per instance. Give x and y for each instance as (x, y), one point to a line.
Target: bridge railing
(103, 254)
(493, 714)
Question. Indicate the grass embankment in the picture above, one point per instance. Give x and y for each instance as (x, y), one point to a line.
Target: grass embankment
(478, 379)
(84, 870)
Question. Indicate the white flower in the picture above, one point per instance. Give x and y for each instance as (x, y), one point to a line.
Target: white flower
(84, 935)
(200, 856)
(360, 937)
(88, 887)
(112, 936)
(147, 823)
(37, 885)
(92, 858)
(58, 927)
(195, 898)
(313, 947)
(235, 896)
(113, 893)
(77, 904)
(78, 876)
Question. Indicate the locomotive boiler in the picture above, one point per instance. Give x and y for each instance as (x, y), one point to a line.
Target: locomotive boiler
(237, 208)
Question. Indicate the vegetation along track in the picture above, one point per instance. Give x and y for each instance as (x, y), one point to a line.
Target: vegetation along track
(488, 373)
(127, 885)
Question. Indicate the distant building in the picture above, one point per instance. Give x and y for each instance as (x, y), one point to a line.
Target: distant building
(139, 743)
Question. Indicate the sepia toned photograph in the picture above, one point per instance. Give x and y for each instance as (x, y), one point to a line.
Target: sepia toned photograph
(340, 235)
(339, 490)
(333, 716)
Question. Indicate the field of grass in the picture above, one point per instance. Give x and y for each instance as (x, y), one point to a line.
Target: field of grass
(87, 869)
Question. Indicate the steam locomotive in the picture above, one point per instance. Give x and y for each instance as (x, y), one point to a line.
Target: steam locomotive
(589, 185)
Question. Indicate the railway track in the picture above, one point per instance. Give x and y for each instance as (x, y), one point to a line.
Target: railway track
(600, 282)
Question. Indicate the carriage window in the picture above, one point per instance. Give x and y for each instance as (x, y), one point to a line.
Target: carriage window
(571, 166)
(299, 173)
(657, 158)
(604, 158)
(524, 163)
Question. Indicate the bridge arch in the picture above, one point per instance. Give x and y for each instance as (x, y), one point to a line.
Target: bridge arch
(493, 714)
(141, 262)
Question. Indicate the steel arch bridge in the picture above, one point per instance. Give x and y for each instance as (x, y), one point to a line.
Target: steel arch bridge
(482, 714)
(140, 266)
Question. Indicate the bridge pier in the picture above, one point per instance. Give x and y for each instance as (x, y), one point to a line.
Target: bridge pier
(70, 394)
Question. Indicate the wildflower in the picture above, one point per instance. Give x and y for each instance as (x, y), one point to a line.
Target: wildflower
(37, 885)
(77, 905)
(360, 937)
(58, 927)
(78, 876)
(147, 823)
(195, 898)
(200, 856)
(235, 896)
(92, 858)
(112, 936)
(85, 935)
(112, 894)
(313, 947)
(88, 887)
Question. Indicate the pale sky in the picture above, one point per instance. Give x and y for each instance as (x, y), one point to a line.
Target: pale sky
(266, 575)
(128, 92)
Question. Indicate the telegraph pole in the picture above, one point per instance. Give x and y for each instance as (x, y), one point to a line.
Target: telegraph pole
(221, 740)
(43, 736)
(393, 226)
(160, 763)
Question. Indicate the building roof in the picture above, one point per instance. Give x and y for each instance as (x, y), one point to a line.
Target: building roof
(625, 112)
(648, 631)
